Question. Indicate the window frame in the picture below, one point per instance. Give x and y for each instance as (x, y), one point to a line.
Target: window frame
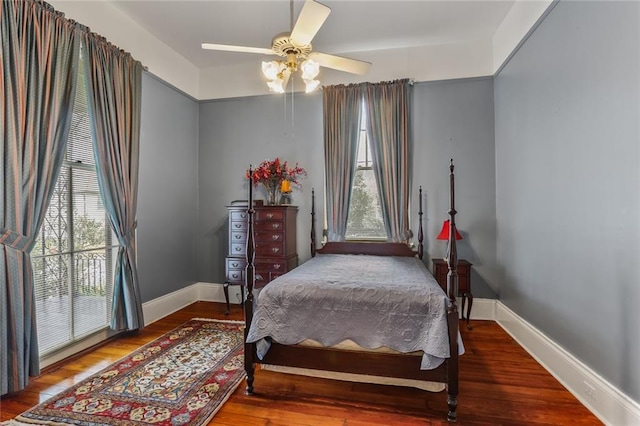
(363, 136)
(67, 283)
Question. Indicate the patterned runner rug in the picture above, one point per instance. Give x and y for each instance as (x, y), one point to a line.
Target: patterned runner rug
(181, 378)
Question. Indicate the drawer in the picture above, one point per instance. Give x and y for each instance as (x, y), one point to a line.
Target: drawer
(238, 226)
(235, 276)
(236, 264)
(266, 215)
(269, 226)
(238, 237)
(261, 278)
(238, 249)
(264, 277)
(279, 267)
(269, 236)
(273, 276)
(240, 216)
(269, 249)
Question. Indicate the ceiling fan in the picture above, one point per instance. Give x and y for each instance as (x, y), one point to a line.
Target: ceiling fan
(296, 47)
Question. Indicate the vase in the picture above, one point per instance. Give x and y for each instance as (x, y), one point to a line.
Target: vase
(273, 195)
(286, 198)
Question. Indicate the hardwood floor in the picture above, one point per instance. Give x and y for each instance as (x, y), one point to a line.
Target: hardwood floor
(500, 385)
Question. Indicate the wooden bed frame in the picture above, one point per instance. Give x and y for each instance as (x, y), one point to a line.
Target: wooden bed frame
(361, 362)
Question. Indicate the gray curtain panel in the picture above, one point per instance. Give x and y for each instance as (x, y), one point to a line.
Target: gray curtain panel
(342, 113)
(114, 92)
(387, 118)
(39, 67)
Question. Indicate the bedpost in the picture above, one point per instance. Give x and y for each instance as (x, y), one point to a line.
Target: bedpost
(452, 313)
(249, 366)
(420, 233)
(313, 222)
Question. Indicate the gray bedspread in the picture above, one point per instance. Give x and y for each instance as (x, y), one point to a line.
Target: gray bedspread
(374, 301)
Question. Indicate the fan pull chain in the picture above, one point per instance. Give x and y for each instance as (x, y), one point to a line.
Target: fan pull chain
(285, 110)
(292, 108)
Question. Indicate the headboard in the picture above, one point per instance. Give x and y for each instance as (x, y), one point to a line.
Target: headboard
(370, 247)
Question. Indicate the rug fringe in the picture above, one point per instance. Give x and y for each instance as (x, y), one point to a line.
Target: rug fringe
(14, 422)
(27, 422)
(217, 320)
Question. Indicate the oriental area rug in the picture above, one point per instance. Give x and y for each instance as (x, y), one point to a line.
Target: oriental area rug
(181, 378)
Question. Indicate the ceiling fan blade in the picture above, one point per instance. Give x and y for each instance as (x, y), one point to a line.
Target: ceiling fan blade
(242, 49)
(311, 18)
(353, 66)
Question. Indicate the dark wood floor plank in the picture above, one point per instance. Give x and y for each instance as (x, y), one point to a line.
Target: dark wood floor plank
(500, 384)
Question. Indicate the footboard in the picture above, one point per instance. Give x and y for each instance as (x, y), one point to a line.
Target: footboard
(396, 365)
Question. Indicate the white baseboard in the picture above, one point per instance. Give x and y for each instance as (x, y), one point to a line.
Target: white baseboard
(210, 292)
(604, 400)
(160, 307)
(482, 309)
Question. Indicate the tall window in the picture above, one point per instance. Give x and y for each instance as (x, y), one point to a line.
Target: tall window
(73, 259)
(365, 215)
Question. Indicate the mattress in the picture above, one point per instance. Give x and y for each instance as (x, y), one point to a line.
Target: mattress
(373, 301)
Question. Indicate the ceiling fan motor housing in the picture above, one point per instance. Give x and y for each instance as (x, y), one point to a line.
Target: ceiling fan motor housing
(284, 46)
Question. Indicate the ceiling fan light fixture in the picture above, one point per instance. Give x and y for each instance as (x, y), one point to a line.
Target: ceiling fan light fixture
(276, 85)
(311, 85)
(271, 69)
(310, 69)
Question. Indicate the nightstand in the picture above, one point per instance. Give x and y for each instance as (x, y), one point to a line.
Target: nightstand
(440, 271)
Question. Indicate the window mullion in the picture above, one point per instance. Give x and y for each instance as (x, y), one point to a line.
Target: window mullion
(72, 256)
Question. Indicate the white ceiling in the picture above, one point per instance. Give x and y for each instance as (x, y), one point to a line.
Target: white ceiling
(420, 39)
(352, 26)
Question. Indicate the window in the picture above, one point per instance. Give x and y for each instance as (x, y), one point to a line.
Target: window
(365, 215)
(73, 258)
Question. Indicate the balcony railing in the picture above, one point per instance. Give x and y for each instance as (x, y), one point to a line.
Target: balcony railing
(68, 309)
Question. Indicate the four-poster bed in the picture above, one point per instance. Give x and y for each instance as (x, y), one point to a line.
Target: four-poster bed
(397, 305)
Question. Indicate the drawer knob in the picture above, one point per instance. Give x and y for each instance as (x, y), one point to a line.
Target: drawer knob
(235, 264)
(269, 215)
(238, 248)
(238, 236)
(275, 237)
(275, 225)
(275, 249)
(235, 275)
(237, 225)
(276, 266)
(243, 215)
(259, 277)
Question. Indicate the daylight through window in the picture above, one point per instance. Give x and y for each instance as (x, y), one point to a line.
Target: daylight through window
(365, 215)
(74, 255)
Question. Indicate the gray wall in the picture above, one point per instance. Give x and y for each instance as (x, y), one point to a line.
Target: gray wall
(567, 136)
(452, 120)
(167, 194)
(235, 133)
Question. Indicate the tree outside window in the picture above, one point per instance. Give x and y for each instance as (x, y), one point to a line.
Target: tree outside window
(365, 214)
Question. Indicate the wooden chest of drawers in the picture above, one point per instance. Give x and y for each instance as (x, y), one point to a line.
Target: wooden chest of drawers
(275, 244)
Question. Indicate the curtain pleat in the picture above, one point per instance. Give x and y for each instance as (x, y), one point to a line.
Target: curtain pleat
(114, 93)
(342, 113)
(38, 69)
(387, 106)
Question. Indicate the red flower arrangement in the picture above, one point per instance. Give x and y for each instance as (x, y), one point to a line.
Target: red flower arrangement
(272, 173)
